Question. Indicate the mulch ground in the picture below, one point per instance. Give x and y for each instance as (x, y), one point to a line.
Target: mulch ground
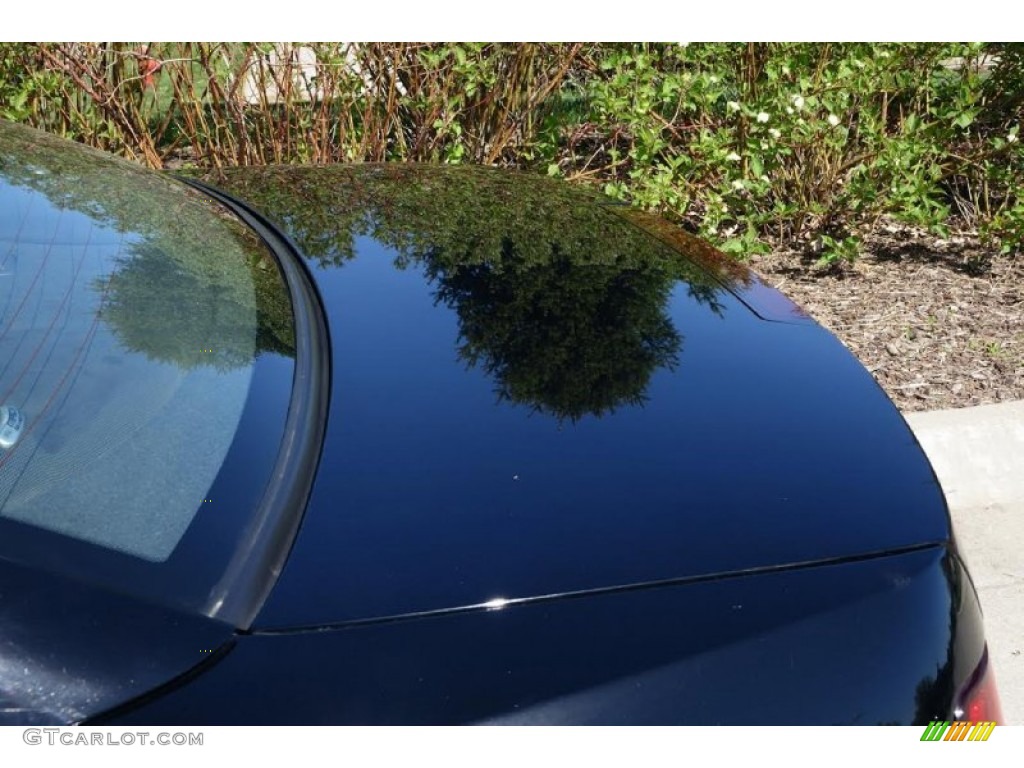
(938, 322)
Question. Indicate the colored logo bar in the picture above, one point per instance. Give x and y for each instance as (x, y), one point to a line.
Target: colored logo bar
(957, 731)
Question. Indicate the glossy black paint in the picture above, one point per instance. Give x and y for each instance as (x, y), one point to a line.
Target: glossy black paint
(578, 468)
(460, 464)
(868, 642)
(69, 650)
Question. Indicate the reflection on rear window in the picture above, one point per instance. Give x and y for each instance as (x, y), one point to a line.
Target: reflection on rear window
(131, 316)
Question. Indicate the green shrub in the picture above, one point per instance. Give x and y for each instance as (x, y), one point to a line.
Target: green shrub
(752, 144)
(797, 142)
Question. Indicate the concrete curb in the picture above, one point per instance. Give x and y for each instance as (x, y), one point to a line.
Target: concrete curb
(978, 455)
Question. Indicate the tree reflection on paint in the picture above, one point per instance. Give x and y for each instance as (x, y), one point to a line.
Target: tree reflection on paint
(561, 301)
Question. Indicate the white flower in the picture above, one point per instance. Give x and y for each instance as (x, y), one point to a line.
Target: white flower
(765, 178)
(1011, 138)
(713, 79)
(833, 120)
(732, 157)
(737, 184)
(763, 117)
(775, 133)
(798, 102)
(789, 110)
(733, 106)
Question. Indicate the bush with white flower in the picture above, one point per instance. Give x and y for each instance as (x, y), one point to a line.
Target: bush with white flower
(754, 144)
(787, 143)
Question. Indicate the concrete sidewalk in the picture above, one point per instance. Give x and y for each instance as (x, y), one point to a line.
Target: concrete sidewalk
(978, 455)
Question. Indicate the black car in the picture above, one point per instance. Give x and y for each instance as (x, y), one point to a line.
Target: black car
(398, 444)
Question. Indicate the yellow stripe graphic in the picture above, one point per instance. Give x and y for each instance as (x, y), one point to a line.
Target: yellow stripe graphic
(980, 731)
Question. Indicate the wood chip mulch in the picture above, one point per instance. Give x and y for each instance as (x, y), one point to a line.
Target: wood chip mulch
(938, 322)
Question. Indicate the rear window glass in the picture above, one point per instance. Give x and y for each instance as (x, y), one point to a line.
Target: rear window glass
(132, 315)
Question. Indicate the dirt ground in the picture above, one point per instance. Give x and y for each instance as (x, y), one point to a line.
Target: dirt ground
(938, 322)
